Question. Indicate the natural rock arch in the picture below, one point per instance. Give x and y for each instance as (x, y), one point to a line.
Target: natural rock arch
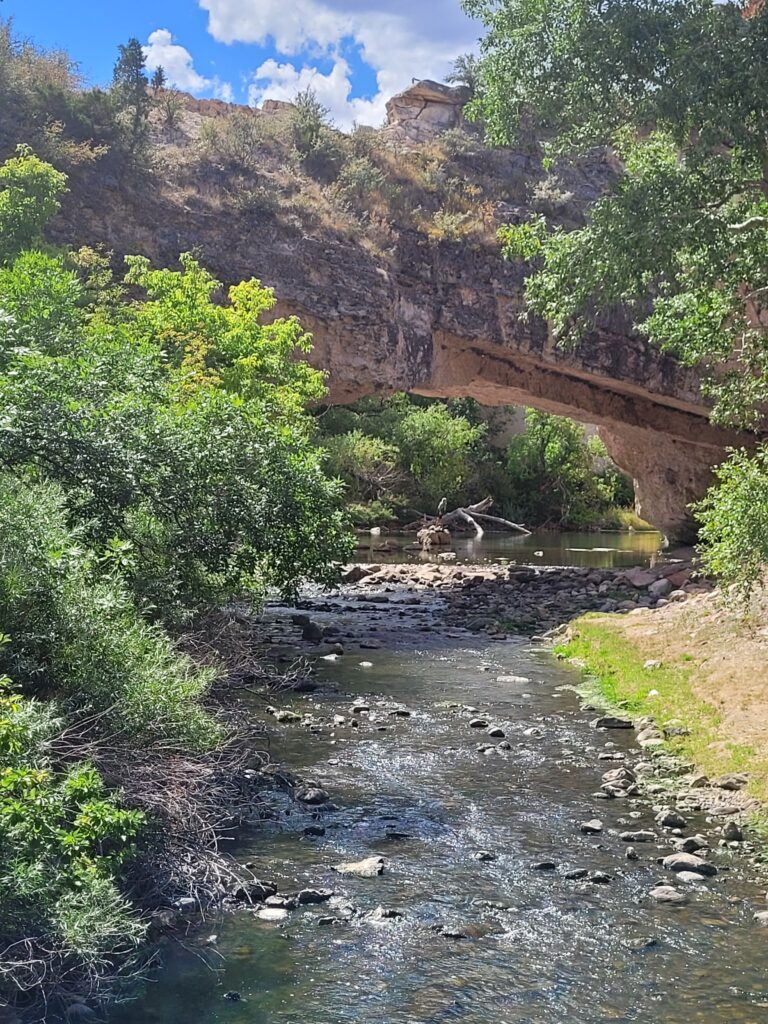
(435, 317)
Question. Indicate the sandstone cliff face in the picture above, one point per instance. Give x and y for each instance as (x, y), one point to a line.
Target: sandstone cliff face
(437, 317)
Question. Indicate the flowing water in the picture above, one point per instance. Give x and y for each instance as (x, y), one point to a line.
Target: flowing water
(546, 547)
(536, 948)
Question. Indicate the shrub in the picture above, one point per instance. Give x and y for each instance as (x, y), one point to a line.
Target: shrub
(76, 634)
(368, 465)
(552, 474)
(734, 518)
(29, 196)
(358, 179)
(63, 844)
(449, 226)
(438, 450)
(170, 103)
(320, 148)
(237, 139)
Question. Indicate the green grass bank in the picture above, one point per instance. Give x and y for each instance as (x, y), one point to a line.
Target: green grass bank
(661, 665)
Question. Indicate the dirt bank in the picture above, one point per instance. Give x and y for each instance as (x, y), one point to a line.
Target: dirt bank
(699, 668)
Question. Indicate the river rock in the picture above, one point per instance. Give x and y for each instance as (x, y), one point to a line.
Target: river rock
(592, 827)
(691, 844)
(660, 588)
(312, 795)
(643, 836)
(254, 890)
(286, 716)
(761, 917)
(732, 832)
(385, 914)
(312, 631)
(368, 868)
(79, 1012)
(483, 856)
(631, 853)
(575, 874)
(354, 574)
(611, 722)
(668, 894)
(669, 818)
(689, 862)
(690, 876)
(620, 775)
(313, 896)
(600, 878)
(496, 732)
(272, 914)
(478, 723)
(732, 781)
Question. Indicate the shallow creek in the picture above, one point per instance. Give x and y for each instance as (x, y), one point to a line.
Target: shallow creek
(535, 947)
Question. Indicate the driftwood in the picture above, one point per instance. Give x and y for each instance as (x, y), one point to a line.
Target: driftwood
(471, 515)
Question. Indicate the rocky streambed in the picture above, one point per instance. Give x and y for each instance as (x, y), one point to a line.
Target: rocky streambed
(464, 839)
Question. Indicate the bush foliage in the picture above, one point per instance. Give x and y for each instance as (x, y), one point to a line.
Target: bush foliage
(399, 456)
(157, 461)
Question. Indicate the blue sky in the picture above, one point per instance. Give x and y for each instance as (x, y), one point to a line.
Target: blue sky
(354, 53)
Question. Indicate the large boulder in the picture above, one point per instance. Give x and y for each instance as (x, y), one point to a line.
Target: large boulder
(425, 110)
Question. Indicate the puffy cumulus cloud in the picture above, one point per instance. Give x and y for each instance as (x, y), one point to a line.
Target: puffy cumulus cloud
(282, 81)
(398, 39)
(176, 61)
(276, 81)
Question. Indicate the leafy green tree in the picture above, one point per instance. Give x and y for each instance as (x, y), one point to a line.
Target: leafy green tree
(735, 520)
(552, 476)
(678, 90)
(130, 86)
(438, 450)
(466, 72)
(176, 425)
(29, 196)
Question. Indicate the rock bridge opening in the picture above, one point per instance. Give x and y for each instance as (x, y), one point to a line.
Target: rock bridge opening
(648, 409)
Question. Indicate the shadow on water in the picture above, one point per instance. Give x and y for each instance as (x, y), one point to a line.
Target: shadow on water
(479, 940)
(597, 550)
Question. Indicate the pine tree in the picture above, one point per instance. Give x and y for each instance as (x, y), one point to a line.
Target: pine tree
(130, 85)
(159, 79)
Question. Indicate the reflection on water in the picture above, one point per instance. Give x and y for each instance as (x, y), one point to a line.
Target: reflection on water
(535, 947)
(599, 550)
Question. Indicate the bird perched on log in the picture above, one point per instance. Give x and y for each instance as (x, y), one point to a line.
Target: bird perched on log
(442, 508)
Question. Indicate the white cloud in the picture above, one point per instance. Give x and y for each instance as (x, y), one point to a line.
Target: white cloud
(399, 40)
(176, 61)
(276, 81)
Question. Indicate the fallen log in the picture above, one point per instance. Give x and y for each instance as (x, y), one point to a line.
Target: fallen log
(470, 515)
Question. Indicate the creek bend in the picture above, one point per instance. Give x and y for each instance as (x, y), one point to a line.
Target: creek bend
(480, 937)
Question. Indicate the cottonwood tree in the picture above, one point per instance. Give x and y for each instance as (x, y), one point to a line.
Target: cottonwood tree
(678, 90)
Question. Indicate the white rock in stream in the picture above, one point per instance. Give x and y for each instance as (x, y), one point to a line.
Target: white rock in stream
(272, 914)
(368, 868)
